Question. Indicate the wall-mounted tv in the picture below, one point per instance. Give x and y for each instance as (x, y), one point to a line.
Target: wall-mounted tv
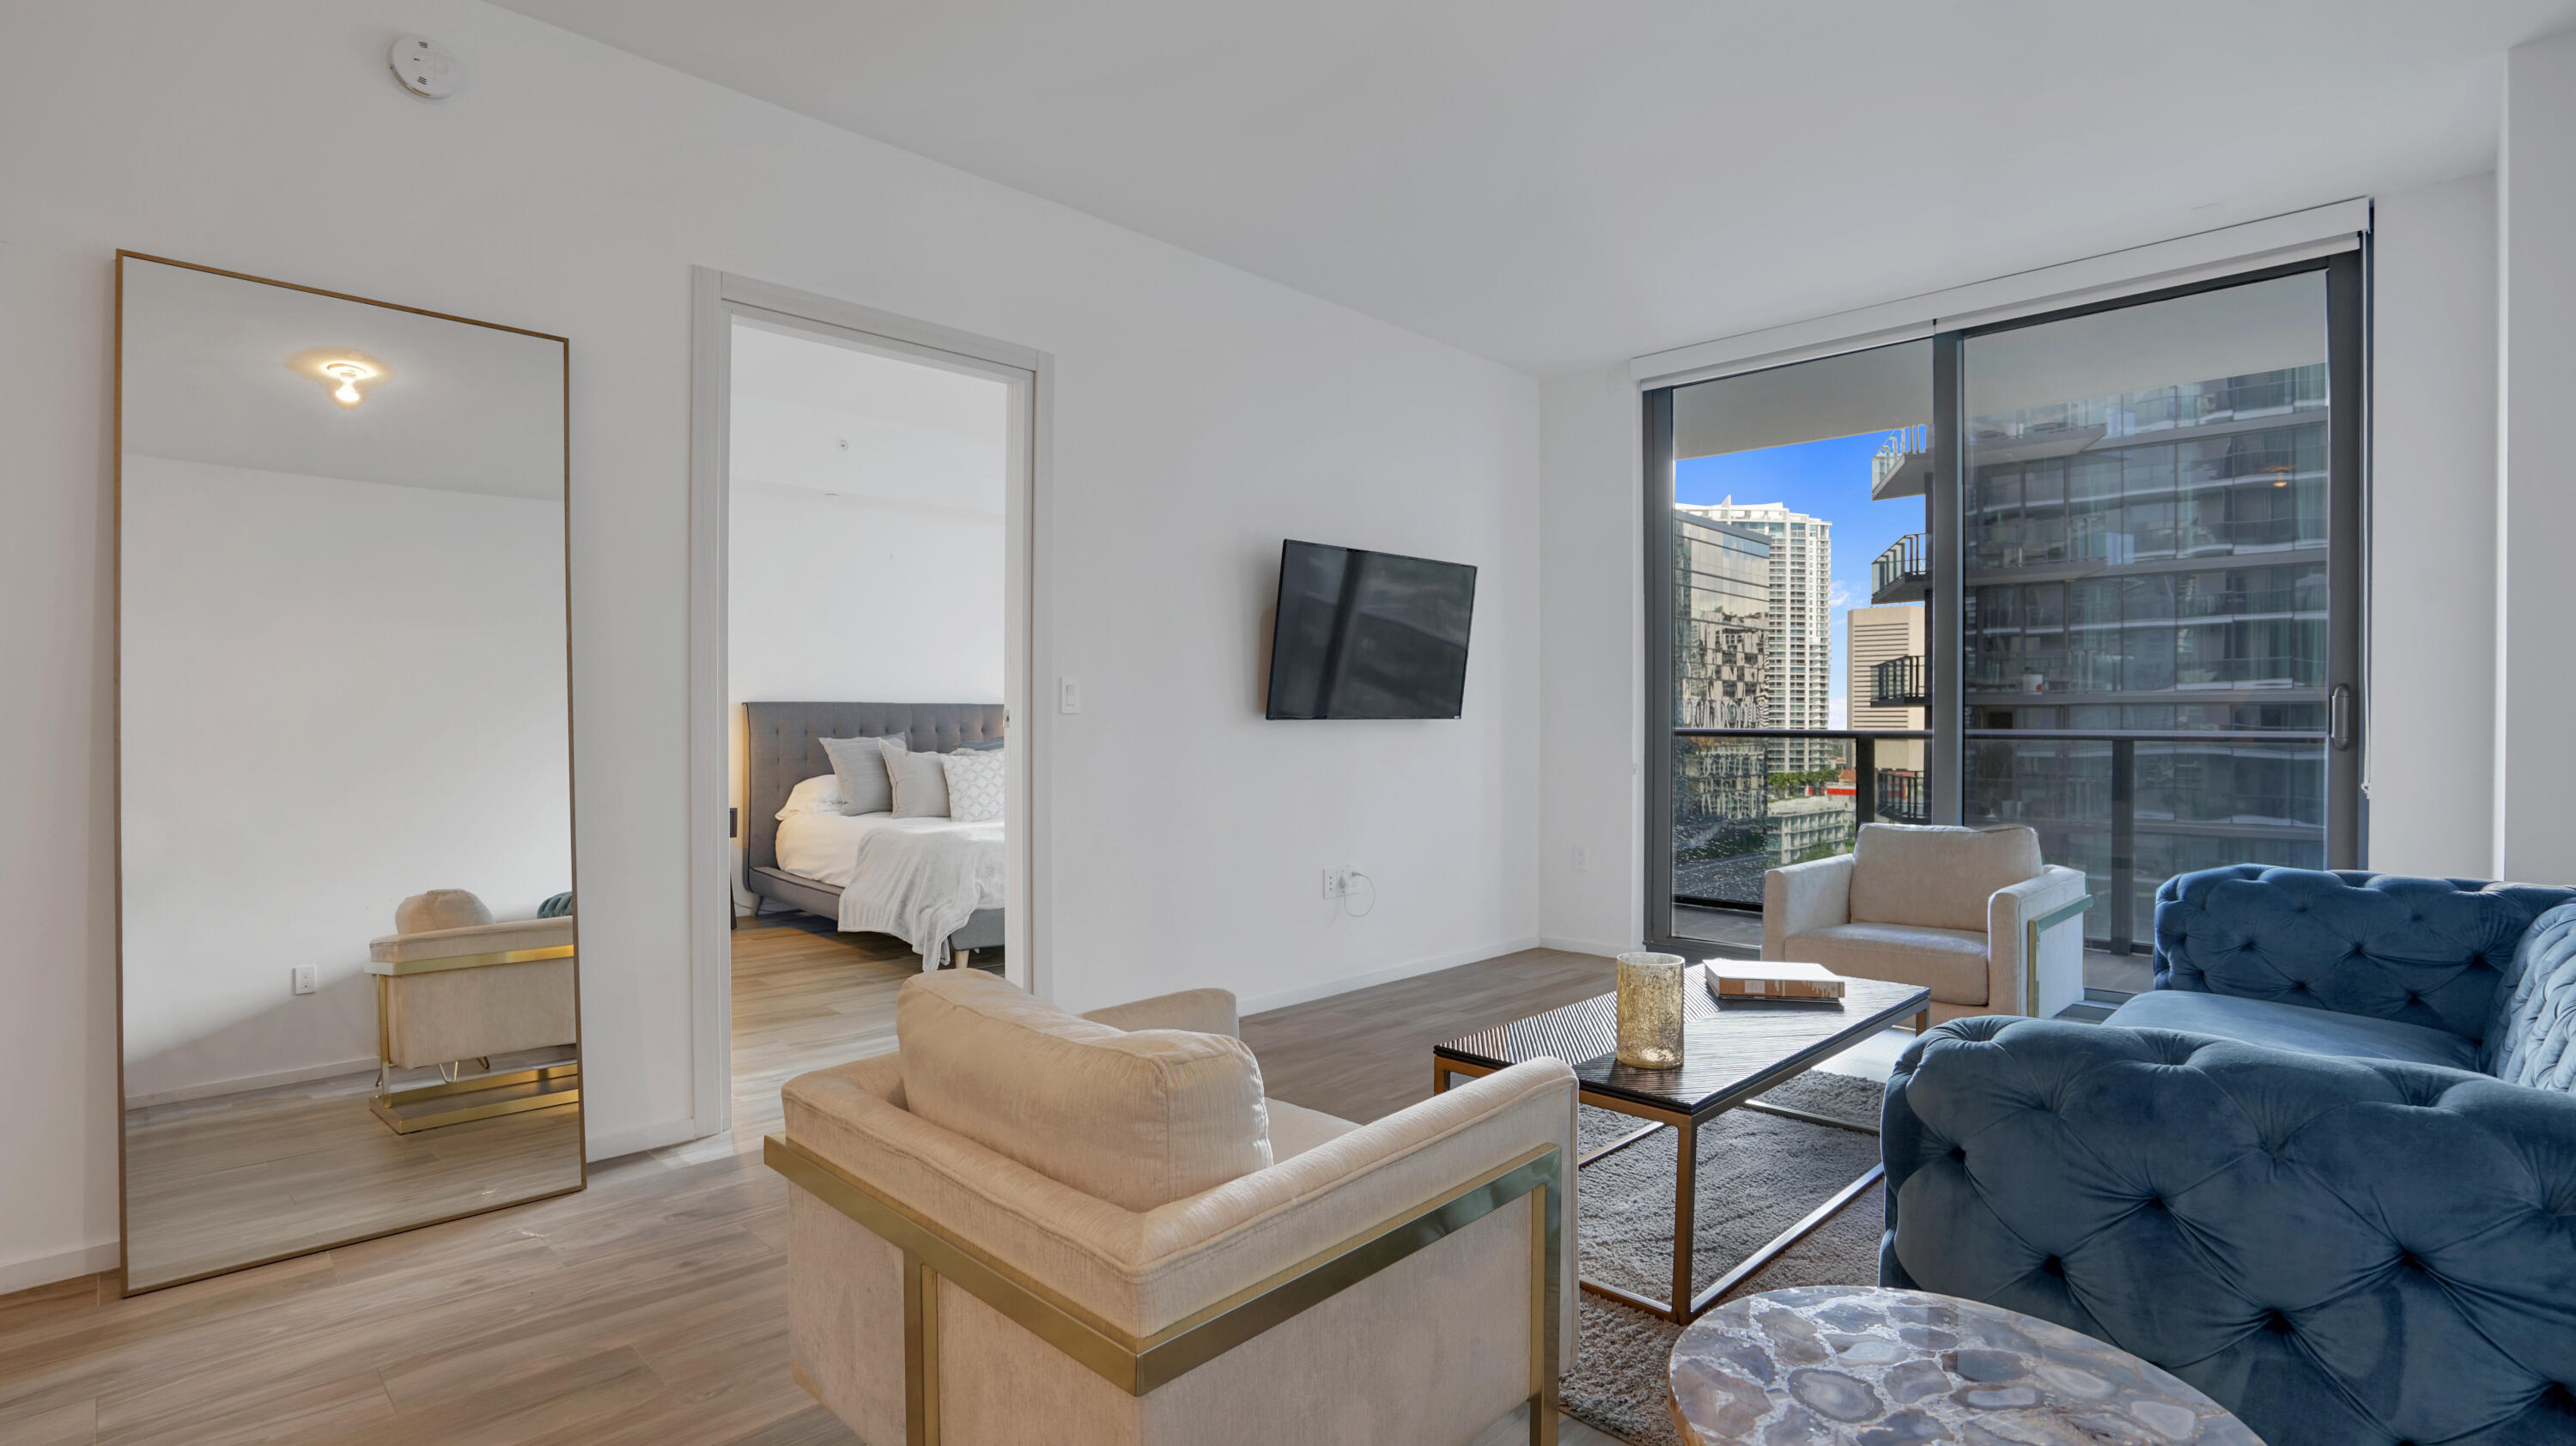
(1369, 634)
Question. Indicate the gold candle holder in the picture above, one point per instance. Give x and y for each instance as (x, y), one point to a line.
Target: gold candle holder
(1650, 1011)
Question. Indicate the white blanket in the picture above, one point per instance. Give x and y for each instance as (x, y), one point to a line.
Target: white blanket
(922, 886)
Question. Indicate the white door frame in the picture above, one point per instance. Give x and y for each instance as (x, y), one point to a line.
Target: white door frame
(717, 298)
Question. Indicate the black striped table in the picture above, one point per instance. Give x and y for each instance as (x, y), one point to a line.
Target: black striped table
(1731, 1052)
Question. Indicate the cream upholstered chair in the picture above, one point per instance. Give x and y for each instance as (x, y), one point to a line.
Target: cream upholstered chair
(1947, 908)
(1026, 1226)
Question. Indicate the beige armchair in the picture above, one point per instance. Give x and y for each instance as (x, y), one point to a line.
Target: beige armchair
(1026, 1226)
(1951, 909)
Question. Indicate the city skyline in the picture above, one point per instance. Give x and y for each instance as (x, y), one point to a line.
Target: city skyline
(1828, 479)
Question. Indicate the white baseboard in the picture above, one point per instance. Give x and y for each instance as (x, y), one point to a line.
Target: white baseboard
(38, 1270)
(1308, 993)
(251, 1082)
(1602, 947)
(610, 1144)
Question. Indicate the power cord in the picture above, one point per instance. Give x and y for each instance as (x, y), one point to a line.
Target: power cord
(1358, 877)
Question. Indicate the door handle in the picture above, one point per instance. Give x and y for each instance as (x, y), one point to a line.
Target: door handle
(2339, 718)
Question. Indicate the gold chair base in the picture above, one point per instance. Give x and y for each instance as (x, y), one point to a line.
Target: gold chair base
(481, 1098)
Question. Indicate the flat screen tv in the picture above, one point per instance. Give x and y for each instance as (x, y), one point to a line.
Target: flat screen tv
(1369, 634)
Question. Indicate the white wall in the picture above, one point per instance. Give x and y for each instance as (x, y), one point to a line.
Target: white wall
(2535, 790)
(2431, 729)
(1200, 415)
(2432, 708)
(1592, 825)
(337, 694)
(854, 598)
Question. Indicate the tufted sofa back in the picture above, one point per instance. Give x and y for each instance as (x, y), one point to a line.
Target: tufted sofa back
(2533, 1041)
(2420, 951)
(2343, 1252)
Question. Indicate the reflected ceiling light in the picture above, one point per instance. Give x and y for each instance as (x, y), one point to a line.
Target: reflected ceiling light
(346, 375)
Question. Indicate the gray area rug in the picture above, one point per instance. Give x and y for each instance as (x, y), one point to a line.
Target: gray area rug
(1758, 1175)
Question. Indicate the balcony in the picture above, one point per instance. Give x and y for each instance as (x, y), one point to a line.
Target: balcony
(1899, 683)
(2134, 808)
(1900, 575)
(1747, 800)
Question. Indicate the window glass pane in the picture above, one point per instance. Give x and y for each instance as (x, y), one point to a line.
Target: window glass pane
(2145, 534)
(1797, 605)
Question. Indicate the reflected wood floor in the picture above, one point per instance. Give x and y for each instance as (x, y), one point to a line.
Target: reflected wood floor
(217, 1182)
(647, 1310)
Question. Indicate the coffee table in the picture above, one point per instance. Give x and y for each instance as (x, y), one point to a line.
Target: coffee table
(1844, 1362)
(1730, 1053)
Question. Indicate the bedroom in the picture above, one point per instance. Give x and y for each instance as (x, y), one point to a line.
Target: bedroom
(868, 536)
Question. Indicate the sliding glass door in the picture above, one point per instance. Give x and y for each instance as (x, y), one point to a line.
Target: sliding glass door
(2099, 572)
(2160, 588)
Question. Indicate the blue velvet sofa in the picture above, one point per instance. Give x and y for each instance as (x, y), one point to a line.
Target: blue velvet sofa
(2325, 1171)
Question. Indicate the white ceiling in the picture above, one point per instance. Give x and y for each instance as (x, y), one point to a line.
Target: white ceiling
(1562, 183)
(827, 417)
(203, 367)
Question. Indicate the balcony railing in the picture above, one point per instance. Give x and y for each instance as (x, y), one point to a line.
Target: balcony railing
(2088, 671)
(1898, 683)
(1900, 574)
(1746, 800)
(2132, 809)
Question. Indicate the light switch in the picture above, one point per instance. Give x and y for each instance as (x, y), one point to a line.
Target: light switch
(1068, 695)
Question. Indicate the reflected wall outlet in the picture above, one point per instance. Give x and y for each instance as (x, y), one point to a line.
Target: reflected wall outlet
(303, 982)
(1582, 857)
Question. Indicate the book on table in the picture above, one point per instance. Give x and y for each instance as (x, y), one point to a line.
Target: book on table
(1771, 979)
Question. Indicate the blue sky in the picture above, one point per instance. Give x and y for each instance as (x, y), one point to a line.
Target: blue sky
(1827, 479)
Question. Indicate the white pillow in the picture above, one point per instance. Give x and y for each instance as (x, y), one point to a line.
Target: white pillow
(974, 784)
(819, 794)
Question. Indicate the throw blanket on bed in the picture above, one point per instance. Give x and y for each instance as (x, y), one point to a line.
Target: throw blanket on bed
(920, 887)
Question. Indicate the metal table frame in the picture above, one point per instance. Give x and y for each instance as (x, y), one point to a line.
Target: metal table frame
(1684, 1305)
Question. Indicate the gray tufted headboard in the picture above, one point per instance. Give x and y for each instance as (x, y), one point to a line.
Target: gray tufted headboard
(786, 748)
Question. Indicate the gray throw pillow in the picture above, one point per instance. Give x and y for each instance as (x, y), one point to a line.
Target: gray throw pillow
(920, 785)
(861, 764)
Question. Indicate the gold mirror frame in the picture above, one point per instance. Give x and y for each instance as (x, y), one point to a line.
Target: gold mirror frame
(116, 669)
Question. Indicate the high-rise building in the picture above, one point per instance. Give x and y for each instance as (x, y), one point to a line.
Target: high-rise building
(1798, 665)
(1721, 625)
(1888, 687)
(2152, 563)
(1884, 635)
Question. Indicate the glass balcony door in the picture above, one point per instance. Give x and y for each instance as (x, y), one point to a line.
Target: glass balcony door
(2097, 571)
(2159, 588)
(1788, 683)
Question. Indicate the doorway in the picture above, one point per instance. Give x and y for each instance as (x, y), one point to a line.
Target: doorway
(864, 536)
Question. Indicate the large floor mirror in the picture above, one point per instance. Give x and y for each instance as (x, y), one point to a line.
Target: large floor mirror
(348, 983)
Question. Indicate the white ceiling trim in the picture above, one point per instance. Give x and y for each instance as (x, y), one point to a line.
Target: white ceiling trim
(2298, 236)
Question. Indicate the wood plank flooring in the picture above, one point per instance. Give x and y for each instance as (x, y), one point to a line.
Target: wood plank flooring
(648, 1309)
(215, 1183)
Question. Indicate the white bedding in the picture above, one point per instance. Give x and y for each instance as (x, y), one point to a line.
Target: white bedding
(824, 847)
(918, 880)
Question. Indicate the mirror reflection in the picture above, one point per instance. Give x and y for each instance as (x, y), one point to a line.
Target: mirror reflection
(348, 989)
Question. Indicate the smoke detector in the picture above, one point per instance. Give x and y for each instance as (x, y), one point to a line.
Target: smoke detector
(425, 68)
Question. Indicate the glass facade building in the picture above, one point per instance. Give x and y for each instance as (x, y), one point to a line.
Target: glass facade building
(2152, 563)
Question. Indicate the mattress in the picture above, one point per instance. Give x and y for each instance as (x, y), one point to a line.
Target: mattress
(824, 847)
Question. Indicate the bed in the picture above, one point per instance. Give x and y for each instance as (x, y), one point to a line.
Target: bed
(786, 748)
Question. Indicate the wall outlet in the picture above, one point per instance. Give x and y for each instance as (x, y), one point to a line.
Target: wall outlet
(1337, 881)
(1582, 857)
(303, 980)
